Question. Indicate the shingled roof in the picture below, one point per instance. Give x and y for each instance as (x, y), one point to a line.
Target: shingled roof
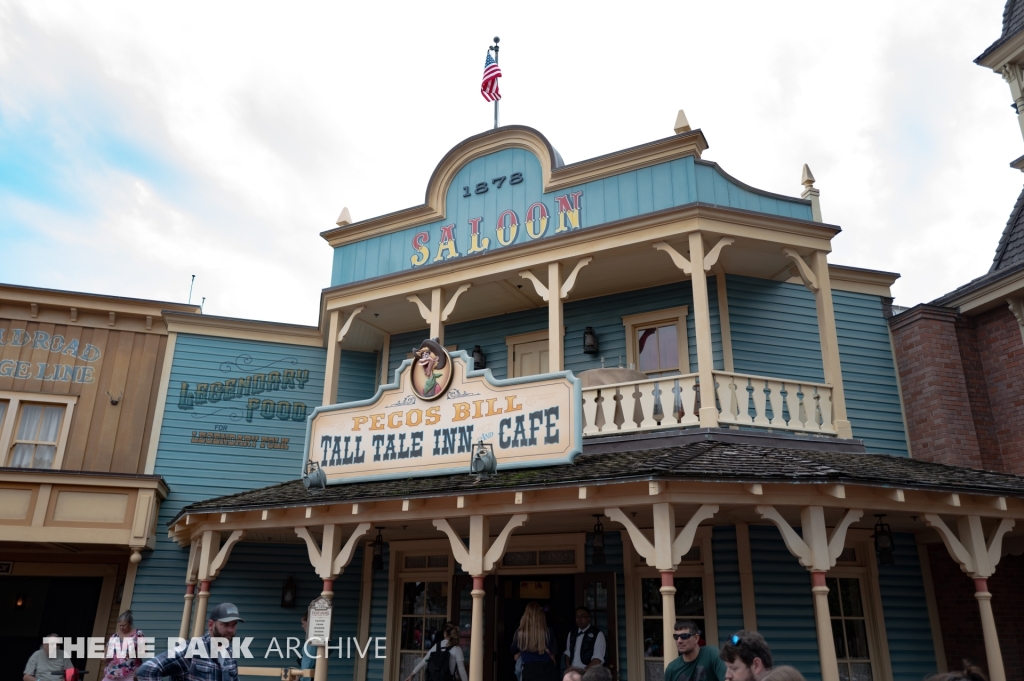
(705, 461)
(1013, 23)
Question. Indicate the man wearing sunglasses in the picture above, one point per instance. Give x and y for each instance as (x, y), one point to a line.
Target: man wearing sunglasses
(695, 663)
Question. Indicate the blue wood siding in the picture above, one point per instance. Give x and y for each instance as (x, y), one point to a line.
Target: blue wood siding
(907, 626)
(869, 373)
(774, 329)
(357, 375)
(604, 314)
(379, 617)
(613, 556)
(665, 185)
(728, 596)
(785, 606)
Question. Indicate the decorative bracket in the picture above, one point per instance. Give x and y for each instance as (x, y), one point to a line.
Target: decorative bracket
(712, 256)
(810, 281)
(451, 303)
(816, 550)
(348, 322)
(329, 564)
(681, 543)
(193, 561)
(424, 310)
(710, 259)
(978, 558)
(497, 549)
(222, 556)
(1017, 308)
(479, 558)
(680, 261)
(542, 290)
(570, 281)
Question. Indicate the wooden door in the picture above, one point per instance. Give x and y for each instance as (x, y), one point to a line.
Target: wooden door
(596, 592)
(530, 358)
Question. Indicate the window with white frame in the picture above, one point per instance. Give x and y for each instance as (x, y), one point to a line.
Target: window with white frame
(34, 429)
(424, 612)
(849, 628)
(656, 342)
(689, 606)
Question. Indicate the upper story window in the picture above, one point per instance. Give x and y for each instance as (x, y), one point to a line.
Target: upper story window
(34, 429)
(656, 342)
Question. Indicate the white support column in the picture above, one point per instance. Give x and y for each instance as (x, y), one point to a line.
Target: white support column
(978, 558)
(212, 558)
(830, 343)
(702, 331)
(437, 314)
(664, 554)
(329, 560)
(333, 359)
(817, 550)
(556, 324)
(191, 576)
(478, 559)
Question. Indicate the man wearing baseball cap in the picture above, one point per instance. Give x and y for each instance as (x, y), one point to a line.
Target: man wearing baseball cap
(190, 664)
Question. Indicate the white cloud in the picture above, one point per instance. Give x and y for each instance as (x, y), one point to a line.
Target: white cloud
(257, 123)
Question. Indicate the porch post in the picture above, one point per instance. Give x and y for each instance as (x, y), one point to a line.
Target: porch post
(476, 637)
(702, 330)
(320, 670)
(978, 557)
(329, 559)
(664, 553)
(199, 624)
(829, 340)
(556, 323)
(817, 549)
(668, 616)
(186, 616)
(478, 559)
(333, 359)
(212, 558)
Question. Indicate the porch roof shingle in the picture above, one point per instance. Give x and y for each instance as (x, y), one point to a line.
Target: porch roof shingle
(703, 461)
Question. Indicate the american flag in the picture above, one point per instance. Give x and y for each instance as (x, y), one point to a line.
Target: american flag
(489, 86)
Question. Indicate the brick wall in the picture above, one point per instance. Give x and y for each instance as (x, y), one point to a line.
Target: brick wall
(932, 377)
(958, 611)
(1001, 348)
(977, 393)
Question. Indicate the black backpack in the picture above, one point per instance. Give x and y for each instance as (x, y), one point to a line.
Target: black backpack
(438, 664)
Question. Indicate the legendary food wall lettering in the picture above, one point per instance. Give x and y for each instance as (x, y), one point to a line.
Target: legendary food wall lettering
(249, 389)
(428, 421)
(65, 368)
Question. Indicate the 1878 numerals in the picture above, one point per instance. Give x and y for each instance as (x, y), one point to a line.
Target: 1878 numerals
(482, 187)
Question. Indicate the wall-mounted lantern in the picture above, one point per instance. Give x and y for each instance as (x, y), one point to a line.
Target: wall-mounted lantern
(885, 548)
(598, 557)
(479, 358)
(378, 551)
(289, 592)
(590, 341)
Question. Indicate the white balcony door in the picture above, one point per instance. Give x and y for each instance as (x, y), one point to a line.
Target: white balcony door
(530, 358)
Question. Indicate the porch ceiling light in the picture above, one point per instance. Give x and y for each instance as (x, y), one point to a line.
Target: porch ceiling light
(378, 551)
(885, 548)
(598, 557)
(590, 346)
(479, 358)
(289, 593)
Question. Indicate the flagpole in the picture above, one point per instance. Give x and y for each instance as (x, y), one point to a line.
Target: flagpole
(495, 48)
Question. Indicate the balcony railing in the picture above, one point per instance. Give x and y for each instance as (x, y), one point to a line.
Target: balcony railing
(742, 400)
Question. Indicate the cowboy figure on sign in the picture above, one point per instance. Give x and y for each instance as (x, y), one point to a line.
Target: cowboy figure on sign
(432, 371)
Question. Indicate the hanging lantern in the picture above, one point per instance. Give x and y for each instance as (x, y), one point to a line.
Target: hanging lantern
(590, 341)
(885, 548)
(289, 593)
(479, 358)
(378, 551)
(598, 557)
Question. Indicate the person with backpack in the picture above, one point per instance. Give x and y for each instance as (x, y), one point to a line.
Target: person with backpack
(443, 658)
(533, 645)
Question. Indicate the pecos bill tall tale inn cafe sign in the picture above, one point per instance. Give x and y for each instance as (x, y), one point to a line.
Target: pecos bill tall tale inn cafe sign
(428, 421)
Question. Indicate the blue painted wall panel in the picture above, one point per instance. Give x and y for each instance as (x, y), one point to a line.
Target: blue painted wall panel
(774, 329)
(357, 375)
(728, 596)
(907, 626)
(869, 373)
(379, 617)
(632, 193)
(254, 574)
(785, 609)
(604, 314)
(613, 555)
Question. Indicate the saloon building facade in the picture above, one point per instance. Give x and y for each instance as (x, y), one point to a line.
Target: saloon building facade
(730, 444)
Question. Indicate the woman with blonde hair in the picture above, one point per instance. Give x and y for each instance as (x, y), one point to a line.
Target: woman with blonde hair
(534, 643)
(783, 673)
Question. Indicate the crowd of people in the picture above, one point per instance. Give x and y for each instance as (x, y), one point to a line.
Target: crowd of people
(746, 655)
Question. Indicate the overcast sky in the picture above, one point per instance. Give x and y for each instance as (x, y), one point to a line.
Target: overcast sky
(141, 143)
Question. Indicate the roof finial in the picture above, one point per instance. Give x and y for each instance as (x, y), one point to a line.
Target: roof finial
(682, 125)
(807, 180)
(345, 218)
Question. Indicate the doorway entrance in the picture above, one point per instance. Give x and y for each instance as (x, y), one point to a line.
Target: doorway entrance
(32, 607)
(556, 595)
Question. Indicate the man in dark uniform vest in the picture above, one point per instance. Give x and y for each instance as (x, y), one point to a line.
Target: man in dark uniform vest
(585, 646)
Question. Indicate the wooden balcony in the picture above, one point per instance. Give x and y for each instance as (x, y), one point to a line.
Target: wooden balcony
(742, 400)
